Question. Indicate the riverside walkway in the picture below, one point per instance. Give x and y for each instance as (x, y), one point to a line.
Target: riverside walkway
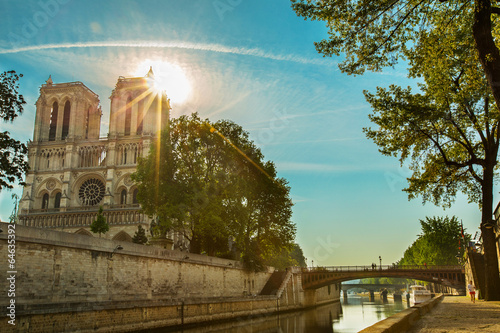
(459, 314)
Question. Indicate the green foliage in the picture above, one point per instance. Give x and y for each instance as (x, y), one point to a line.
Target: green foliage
(13, 153)
(288, 258)
(140, 236)
(100, 225)
(383, 280)
(376, 34)
(450, 130)
(211, 183)
(439, 244)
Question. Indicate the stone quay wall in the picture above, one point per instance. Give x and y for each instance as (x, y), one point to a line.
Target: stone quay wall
(71, 282)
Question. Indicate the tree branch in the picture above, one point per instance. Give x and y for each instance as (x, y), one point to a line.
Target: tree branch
(474, 174)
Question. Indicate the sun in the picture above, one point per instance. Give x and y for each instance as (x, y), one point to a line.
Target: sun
(169, 77)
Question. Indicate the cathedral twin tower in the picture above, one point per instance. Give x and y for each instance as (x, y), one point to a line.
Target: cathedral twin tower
(73, 171)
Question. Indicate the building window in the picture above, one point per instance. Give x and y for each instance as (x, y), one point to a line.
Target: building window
(123, 197)
(140, 116)
(134, 196)
(45, 201)
(65, 129)
(128, 116)
(57, 201)
(53, 122)
(91, 192)
(87, 124)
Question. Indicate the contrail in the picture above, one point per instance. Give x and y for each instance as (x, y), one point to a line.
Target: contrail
(255, 52)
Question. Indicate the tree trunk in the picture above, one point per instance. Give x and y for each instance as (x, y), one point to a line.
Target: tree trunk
(489, 56)
(195, 244)
(492, 278)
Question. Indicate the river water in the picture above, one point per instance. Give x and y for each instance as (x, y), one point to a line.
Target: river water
(354, 315)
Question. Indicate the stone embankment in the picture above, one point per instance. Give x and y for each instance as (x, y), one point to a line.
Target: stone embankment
(443, 314)
(459, 314)
(63, 282)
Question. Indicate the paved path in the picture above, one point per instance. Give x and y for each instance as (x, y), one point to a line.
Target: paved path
(459, 314)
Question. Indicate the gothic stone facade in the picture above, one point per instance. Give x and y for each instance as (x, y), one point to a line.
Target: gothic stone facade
(73, 171)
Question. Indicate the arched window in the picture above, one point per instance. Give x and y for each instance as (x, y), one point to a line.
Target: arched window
(65, 128)
(128, 116)
(57, 201)
(134, 196)
(87, 124)
(140, 116)
(53, 122)
(123, 197)
(45, 201)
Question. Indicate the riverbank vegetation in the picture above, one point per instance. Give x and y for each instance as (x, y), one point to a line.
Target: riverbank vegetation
(209, 182)
(443, 241)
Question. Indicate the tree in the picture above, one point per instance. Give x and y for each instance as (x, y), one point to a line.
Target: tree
(451, 130)
(100, 225)
(210, 182)
(288, 258)
(13, 163)
(441, 243)
(140, 236)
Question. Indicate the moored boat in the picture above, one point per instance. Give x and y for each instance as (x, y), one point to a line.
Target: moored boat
(419, 294)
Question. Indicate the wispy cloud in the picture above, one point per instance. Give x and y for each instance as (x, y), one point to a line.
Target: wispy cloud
(315, 141)
(255, 52)
(315, 167)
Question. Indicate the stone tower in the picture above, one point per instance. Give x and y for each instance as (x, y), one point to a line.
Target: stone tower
(73, 171)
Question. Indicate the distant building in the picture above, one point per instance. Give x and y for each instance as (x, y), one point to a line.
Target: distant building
(73, 171)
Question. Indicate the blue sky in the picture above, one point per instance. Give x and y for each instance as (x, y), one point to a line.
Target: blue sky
(252, 62)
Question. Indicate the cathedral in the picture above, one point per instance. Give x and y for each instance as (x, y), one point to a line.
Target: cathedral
(74, 171)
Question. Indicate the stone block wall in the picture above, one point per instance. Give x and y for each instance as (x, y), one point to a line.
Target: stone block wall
(75, 283)
(56, 267)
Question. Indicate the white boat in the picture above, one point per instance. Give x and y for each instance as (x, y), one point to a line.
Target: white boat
(419, 294)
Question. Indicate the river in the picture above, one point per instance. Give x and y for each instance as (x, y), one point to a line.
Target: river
(350, 317)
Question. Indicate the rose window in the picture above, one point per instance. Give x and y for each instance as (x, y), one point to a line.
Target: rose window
(91, 192)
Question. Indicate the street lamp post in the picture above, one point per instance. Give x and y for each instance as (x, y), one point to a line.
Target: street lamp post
(380, 259)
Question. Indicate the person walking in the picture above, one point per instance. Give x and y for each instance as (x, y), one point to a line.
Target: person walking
(472, 292)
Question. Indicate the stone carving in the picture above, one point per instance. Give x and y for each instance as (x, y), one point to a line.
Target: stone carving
(128, 181)
(39, 179)
(51, 184)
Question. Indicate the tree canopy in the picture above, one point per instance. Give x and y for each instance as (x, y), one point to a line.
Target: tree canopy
(210, 182)
(100, 225)
(13, 163)
(441, 243)
(450, 129)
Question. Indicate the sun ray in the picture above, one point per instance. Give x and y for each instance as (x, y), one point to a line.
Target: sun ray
(167, 77)
(134, 101)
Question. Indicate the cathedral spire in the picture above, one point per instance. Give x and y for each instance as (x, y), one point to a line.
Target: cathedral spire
(49, 81)
(150, 74)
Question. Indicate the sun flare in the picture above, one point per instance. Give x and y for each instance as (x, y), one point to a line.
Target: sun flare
(169, 77)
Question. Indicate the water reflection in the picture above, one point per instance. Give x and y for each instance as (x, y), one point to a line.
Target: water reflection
(359, 313)
(353, 316)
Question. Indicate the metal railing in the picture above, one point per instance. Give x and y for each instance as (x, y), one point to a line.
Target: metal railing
(381, 268)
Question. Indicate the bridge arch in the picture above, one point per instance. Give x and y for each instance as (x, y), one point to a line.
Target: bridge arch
(450, 276)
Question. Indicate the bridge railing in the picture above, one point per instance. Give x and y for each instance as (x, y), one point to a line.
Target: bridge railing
(381, 268)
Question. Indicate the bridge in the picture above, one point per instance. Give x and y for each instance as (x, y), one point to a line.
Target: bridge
(450, 276)
(372, 286)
